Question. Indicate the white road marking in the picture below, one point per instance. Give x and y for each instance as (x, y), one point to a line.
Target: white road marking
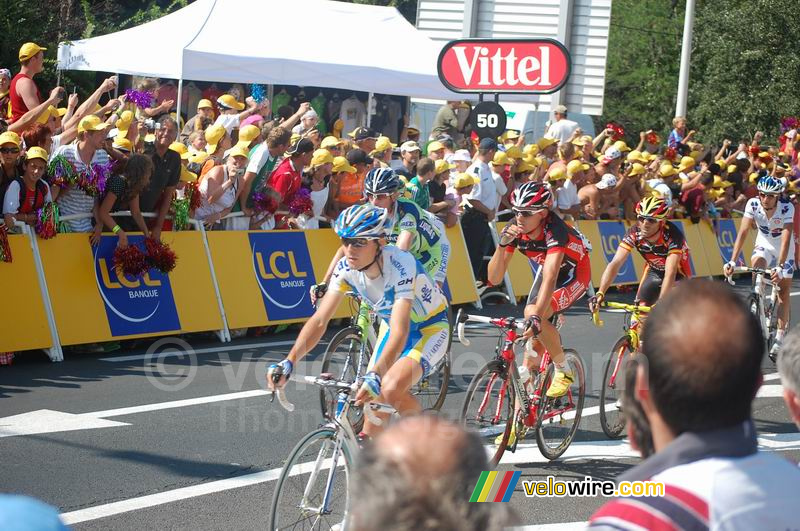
(772, 376)
(794, 293)
(770, 391)
(48, 421)
(223, 348)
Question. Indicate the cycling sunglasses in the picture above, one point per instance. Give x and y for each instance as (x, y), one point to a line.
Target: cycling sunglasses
(355, 242)
(375, 197)
(9, 150)
(525, 213)
(763, 194)
(647, 219)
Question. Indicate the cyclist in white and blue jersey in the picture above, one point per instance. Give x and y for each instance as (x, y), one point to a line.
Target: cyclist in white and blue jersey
(773, 217)
(415, 330)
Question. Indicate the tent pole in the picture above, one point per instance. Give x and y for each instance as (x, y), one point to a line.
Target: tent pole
(370, 102)
(178, 111)
(116, 88)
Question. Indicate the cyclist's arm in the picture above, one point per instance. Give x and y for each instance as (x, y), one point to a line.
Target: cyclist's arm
(315, 327)
(744, 228)
(405, 240)
(670, 270)
(612, 269)
(786, 240)
(398, 334)
(329, 273)
(552, 264)
(498, 265)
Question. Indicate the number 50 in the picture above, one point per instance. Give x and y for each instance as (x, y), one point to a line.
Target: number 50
(486, 120)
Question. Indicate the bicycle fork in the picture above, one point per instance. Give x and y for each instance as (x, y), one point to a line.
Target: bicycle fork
(324, 508)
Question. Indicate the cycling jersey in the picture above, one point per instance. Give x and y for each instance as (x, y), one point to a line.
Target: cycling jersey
(428, 239)
(403, 278)
(769, 228)
(670, 241)
(557, 236)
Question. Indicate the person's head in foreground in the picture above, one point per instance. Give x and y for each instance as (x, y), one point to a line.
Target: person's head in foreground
(789, 369)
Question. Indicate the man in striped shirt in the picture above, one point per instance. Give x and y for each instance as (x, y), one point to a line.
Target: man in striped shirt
(696, 387)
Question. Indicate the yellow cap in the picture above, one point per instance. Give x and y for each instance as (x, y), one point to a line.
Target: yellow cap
(198, 157)
(320, 157)
(214, 134)
(91, 123)
(62, 111)
(332, 141)
(545, 142)
(531, 149)
(463, 180)
(732, 168)
(533, 160)
(383, 143)
(442, 166)
(226, 100)
(622, 146)
(696, 155)
(636, 156)
(514, 152)
(637, 169)
(340, 164)
(248, 133)
(187, 176)
(435, 146)
(204, 104)
(124, 121)
(180, 149)
(238, 151)
(294, 139)
(667, 170)
(575, 166)
(46, 114)
(28, 50)
(558, 173)
(511, 134)
(36, 152)
(523, 166)
(123, 143)
(582, 140)
(686, 163)
(500, 159)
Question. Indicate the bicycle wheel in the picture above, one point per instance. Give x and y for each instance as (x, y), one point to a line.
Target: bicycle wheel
(302, 499)
(341, 359)
(488, 408)
(611, 418)
(771, 329)
(558, 418)
(432, 389)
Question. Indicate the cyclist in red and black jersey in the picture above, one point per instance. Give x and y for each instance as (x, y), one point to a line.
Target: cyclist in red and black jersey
(562, 278)
(662, 245)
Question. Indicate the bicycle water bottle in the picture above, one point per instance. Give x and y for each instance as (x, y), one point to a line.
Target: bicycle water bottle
(341, 399)
(363, 319)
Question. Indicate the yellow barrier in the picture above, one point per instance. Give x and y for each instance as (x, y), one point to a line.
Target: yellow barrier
(605, 237)
(91, 302)
(24, 324)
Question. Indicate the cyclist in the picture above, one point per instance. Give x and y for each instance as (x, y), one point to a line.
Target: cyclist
(395, 285)
(410, 228)
(774, 246)
(563, 275)
(661, 244)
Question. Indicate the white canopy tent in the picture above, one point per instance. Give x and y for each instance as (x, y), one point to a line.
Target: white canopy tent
(293, 42)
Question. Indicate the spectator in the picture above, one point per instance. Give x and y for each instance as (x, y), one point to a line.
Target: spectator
(679, 137)
(629, 189)
(157, 195)
(365, 139)
(562, 128)
(351, 185)
(87, 151)
(29, 193)
(567, 200)
(462, 187)
(23, 92)
(233, 112)
(219, 188)
(610, 162)
(5, 101)
(462, 159)
(436, 150)
(197, 141)
(418, 186)
(409, 154)
(449, 147)
(696, 391)
(440, 203)
(341, 169)
(200, 121)
(9, 159)
(317, 183)
(288, 175)
(308, 122)
(498, 166)
(383, 151)
(598, 199)
(333, 145)
(218, 141)
(789, 369)
(548, 148)
(446, 121)
(482, 206)
(249, 137)
(434, 465)
(122, 193)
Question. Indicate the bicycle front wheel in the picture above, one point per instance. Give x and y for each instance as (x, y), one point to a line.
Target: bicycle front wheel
(611, 418)
(488, 408)
(342, 359)
(311, 492)
(558, 418)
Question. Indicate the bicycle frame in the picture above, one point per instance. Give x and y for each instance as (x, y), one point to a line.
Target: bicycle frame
(634, 312)
(767, 313)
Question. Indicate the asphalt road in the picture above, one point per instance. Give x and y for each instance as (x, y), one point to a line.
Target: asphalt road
(176, 441)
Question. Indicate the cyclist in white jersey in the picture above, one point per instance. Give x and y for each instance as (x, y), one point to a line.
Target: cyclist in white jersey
(395, 285)
(773, 217)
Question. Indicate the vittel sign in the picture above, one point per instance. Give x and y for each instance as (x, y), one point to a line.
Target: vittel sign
(532, 66)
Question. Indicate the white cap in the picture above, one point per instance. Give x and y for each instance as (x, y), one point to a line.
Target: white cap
(461, 155)
(608, 181)
(741, 156)
(112, 133)
(311, 113)
(612, 153)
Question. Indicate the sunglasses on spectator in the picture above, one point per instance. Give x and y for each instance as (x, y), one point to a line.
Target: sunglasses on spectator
(376, 197)
(646, 219)
(355, 242)
(9, 150)
(525, 213)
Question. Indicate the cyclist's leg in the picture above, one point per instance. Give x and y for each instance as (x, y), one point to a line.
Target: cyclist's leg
(784, 313)
(533, 348)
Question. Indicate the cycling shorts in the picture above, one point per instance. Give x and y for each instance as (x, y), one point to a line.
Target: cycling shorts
(426, 344)
(764, 249)
(570, 285)
(650, 287)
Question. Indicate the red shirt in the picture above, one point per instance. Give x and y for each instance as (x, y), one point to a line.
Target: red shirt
(285, 179)
(18, 107)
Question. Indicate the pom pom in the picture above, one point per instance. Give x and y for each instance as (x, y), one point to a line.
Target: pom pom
(266, 201)
(47, 221)
(94, 180)
(652, 138)
(755, 150)
(670, 154)
(5, 247)
(159, 255)
(180, 213)
(257, 92)
(193, 193)
(301, 202)
(131, 261)
(61, 172)
(140, 98)
(617, 131)
(788, 123)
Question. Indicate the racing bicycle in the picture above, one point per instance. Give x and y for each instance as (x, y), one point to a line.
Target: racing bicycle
(498, 402)
(312, 490)
(348, 355)
(762, 304)
(611, 418)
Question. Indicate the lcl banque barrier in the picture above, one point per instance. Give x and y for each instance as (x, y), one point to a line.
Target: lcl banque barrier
(64, 292)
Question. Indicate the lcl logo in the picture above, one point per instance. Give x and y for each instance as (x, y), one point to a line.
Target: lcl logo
(531, 66)
(122, 280)
(275, 271)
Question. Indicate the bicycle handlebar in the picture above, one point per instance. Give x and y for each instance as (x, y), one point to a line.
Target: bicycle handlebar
(462, 319)
(766, 273)
(630, 308)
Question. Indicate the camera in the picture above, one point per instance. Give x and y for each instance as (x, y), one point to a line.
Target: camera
(152, 124)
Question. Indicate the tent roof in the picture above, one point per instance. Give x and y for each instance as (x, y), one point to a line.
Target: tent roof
(299, 42)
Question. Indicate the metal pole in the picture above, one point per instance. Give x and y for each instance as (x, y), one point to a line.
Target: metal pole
(55, 353)
(178, 108)
(369, 107)
(686, 58)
